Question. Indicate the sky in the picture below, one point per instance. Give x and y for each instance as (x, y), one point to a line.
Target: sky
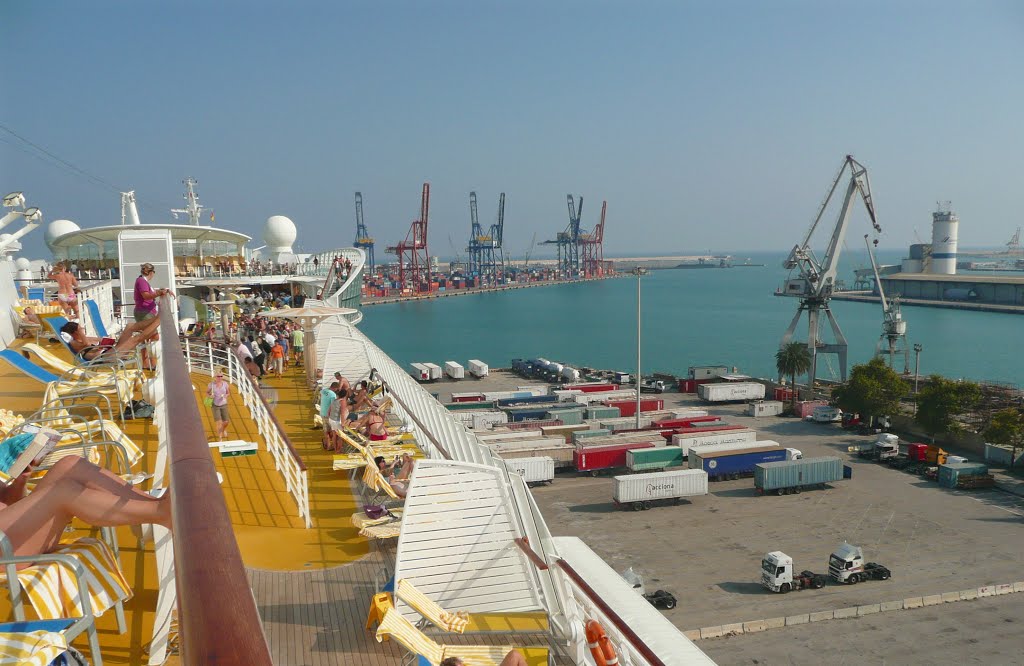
(705, 125)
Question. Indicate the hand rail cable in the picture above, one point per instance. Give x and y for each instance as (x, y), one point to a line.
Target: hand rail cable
(218, 618)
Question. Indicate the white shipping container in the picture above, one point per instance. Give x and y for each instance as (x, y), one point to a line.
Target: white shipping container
(726, 438)
(485, 420)
(420, 372)
(478, 368)
(434, 369)
(601, 396)
(464, 417)
(537, 442)
(498, 395)
(731, 391)
(561, 453)
(454, 370)
(509, 436)
(764, 408)
(536, 389)
(566, 395)
(684, 412)
(538, 469)
(634, 488)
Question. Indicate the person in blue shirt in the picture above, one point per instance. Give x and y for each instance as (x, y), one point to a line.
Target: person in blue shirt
(327, 396)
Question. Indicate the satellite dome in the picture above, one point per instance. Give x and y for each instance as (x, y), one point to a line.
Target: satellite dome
(279, 234)
(56, 229)
(22, 264)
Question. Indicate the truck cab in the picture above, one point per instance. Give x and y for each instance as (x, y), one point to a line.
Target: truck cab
(847, 565)
(886, 446)
(793, 454)
(777, 571)
(652, 386)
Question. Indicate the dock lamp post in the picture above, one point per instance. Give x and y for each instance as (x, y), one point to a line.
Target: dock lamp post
(638, 272)
(917, 364)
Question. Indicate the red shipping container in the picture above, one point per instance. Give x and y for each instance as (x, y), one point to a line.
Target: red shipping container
(917, 451)
(596, 458)
(476, 397)
(590, 388)
(783, 394)
(687, 385)
(685, 422)
(628, 407)
(806, 407)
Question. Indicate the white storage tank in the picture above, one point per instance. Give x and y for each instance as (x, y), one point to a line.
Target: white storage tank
(477, 368)
(454, 370)
(420, 372)
(945, 227)
(434, 370)
(570, 374)
(540, 469)
(640, 490)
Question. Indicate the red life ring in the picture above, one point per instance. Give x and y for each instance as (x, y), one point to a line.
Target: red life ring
(600, 647)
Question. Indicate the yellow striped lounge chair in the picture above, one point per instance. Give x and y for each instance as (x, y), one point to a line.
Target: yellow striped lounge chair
(418, 643)
(31, 648)
(451, 622)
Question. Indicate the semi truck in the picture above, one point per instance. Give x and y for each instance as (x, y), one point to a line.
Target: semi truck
(778, 574)
(734, 463)
(847, 565)
(640, 491)
(885, 447)
(793, 476)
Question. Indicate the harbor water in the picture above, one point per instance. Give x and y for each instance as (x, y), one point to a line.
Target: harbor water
(689, 317)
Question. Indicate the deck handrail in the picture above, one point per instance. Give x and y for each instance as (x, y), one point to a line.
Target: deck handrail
(217, 615)
(419, 424)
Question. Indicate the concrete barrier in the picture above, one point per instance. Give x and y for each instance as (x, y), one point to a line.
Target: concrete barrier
(969, 595)
(821, 615)
(775, 623)
(734, 629)
(754, 627)
(692, 634)
(1018, 586)
(710, 632)
(950, 597)
(887, 606)
(843, 613)
(797, 619)
(869, 609)
(1005, 588)
(912, 602)
(932, 600)
(986, 591)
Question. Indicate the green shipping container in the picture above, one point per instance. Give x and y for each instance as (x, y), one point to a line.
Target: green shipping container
(567, 416)
(482, 406)
(603, 412)
(584, 434)
(638, 460)
(950, 473)
(797, 473)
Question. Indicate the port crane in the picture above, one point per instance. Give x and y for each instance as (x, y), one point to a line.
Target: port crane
(363, 239)
(817, 277)
(894, 328)
(485, 252)
(413, 258)
(568, 241)
(592, 247)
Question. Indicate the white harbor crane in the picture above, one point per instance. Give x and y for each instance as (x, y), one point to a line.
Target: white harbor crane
(817, 278)
(894, 329)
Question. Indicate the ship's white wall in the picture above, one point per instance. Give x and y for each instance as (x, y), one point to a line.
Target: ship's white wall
(8, 297)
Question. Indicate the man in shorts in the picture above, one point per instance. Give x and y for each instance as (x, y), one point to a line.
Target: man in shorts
(298, 344)
(66, 284)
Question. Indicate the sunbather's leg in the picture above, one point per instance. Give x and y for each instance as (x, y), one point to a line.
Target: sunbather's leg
(84, 472)
(128, 339)
(513, 658)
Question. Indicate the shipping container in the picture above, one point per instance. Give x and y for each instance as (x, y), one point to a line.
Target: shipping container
(435, 371)
(626, 423)
(622, 439)
(471, 406)
(477, 368)
(579, 436)
(687, 422)
(699, 372)
(592, 387)
(454, 370)
(595, 459)
(687, 385)
(564, 431)
(734, 463)
(566, 396)
(560, 452)
(534, 389)
(764, 408)
(590, 398)
(527, 400)
(640, 460)
(566, 416)
(485, 420)
(805, 408)
(951, 472)
(540, 469)
(602, 412)
(420, 372)
(729, 436)
(917, 452)
(467, 397)
(533, 425)
(783, 394)
(628, 407)
(731, 391)
(790, 476)
(640, 491)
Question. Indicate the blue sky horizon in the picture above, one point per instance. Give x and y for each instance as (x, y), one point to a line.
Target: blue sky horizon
(704, 125)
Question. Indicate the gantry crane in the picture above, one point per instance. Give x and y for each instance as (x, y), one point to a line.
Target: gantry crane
(485, 254)
(894, 329)
(363, 239)
(817, 278)
(592, 247)
(568, 242)
(413, 258)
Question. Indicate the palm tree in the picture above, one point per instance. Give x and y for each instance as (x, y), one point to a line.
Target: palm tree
(793, 359)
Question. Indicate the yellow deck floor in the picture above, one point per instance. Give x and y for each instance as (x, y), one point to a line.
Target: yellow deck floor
(269, 532)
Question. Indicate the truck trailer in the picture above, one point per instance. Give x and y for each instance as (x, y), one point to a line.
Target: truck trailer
(640, 491)
(734, 463)
(731, 392)
(793, 476)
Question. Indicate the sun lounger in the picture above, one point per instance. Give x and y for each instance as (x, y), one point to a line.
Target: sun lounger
(451, 622)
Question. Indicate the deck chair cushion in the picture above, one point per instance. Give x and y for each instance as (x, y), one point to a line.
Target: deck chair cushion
(452, 622)
(31, 648)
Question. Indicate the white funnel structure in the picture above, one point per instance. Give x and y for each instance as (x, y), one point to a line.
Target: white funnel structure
(945, 226)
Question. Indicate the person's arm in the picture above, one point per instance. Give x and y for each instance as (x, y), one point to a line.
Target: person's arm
(15, 490)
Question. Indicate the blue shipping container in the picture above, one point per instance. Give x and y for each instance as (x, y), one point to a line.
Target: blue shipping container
(737, 462)
(527, 398)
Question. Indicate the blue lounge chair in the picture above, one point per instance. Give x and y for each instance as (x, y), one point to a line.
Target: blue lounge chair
(98, 327)
(28, 367)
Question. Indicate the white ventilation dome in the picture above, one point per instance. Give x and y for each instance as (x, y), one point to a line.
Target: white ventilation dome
(23, 264)
(279, 234)
(56, 229)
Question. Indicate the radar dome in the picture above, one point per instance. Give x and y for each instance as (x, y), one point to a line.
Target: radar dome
(56, 229)
(22, 264)
(279, 234)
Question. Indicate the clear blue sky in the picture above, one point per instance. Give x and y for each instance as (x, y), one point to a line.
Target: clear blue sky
(706, 125)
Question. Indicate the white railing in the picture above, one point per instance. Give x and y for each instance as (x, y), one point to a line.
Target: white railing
(100, 291)
(349, 294)
(204, 357)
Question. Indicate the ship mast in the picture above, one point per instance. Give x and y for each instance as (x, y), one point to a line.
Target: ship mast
(193, 209)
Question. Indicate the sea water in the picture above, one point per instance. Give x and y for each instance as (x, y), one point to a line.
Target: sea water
(688, 317)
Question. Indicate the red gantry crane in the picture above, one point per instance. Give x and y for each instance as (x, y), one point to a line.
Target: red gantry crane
(413, 258)
(592, 247)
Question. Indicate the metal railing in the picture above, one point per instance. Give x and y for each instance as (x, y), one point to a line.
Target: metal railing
(205, 356)
(218, 619)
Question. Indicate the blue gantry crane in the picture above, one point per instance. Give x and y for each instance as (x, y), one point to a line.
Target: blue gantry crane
(363, 239)
(568, 242)
(486, 258)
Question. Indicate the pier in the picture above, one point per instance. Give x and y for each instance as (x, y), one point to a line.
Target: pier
(368, 300)
(868, 297)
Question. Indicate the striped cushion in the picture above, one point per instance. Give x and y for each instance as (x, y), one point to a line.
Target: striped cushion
(32, 648)
(52, 590)
(453, 622)
(411, 638)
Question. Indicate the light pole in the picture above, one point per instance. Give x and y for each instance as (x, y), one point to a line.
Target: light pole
(638, 272)
(917, 365)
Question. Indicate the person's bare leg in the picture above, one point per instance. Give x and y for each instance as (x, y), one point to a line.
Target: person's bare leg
(128, 339)
(91, 476)
(513, 658)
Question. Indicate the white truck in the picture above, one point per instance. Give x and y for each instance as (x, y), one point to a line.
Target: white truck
(477, 368)
(778, 574)
(826, 414)
(640, 491)
(847, 565)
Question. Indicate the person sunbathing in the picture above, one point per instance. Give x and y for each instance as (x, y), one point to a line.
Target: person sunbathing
(513, 658)
(89, 349)
(30, 319)
(372, 425)
(397, 473)
(73, 488)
